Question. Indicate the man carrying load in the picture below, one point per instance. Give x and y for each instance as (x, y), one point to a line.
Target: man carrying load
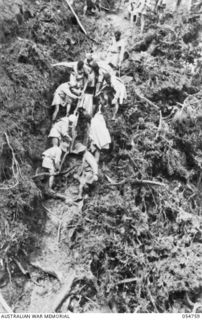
(63, 98)
(63, 130)
(89, 169)
(52, 160)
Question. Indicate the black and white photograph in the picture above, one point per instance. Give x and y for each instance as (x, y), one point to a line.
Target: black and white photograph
(100, 159)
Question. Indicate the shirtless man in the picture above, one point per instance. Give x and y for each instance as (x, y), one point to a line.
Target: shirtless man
(119, 91)
(116, 51)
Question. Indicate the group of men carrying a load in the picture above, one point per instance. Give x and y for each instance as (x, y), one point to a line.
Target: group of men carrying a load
(78, 124)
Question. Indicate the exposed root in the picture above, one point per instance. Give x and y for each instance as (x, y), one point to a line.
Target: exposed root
(15, 167)
(63, 294)
(5, 304)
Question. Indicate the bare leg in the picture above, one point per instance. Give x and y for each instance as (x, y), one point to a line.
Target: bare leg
(116, 109)
(55, 112)
(68, 109)
(81, 186)
(51, 179)
(97, 155)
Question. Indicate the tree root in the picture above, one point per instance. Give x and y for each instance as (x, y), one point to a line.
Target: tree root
(63, 294)
(4, 304)
(47, 270)
(65, 172)
(15, 166)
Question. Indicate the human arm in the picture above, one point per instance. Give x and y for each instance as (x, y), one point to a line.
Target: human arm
(55, 112)
(65, 64)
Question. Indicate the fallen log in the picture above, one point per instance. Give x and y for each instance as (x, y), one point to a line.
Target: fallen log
(77, 18)
(5, 304)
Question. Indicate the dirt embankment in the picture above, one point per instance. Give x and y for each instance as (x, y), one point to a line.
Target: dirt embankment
(138, 238)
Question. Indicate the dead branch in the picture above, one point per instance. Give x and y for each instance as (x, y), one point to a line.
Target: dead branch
(147, 100)
(63, 294)
(77, 18)
(50, 212)
(4, 304)
(127, 281)
(21, 268)
(136, 181)
(65, 172)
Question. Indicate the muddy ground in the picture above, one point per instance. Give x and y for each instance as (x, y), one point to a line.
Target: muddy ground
(134, 243)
